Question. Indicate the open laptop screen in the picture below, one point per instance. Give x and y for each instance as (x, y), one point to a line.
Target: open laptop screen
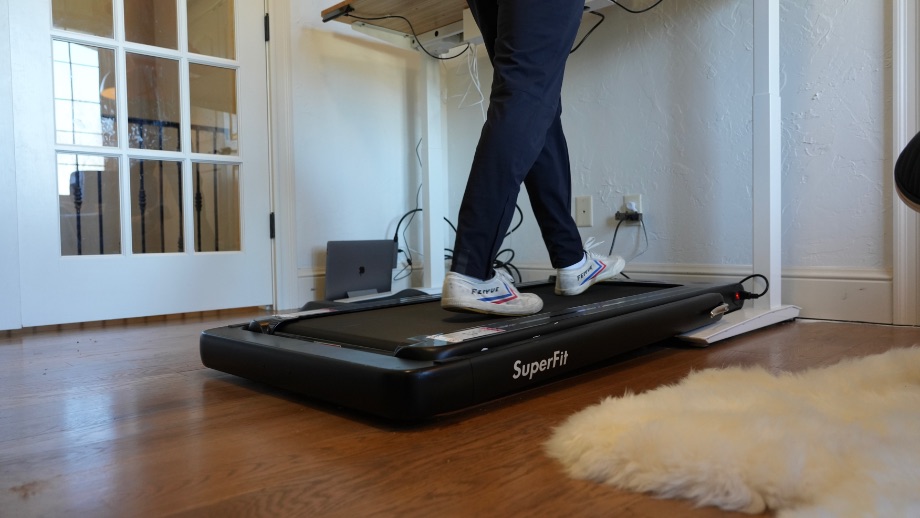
(355, 268)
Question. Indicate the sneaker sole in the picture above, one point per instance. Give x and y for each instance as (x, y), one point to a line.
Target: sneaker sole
(612, 271)
(485, 309)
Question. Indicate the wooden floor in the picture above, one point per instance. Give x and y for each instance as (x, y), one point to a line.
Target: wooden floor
(121, 419)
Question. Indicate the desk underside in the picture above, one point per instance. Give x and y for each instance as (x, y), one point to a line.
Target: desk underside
(425, 15)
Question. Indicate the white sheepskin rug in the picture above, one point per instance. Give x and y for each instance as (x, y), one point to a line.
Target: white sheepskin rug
(842, 440)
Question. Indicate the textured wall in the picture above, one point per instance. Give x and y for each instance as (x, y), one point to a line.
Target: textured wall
(836, 118)
(659, 104)
(355, 133)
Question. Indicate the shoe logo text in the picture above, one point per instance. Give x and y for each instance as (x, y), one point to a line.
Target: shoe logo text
(586, 272)
(489, 291)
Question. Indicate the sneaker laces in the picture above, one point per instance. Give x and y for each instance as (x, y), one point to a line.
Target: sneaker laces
(504, 275)
(591, 243)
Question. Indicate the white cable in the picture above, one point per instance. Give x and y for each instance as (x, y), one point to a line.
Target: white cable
(472, 67)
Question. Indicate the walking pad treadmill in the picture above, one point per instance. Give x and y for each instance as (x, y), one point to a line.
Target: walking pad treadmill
(408, 359)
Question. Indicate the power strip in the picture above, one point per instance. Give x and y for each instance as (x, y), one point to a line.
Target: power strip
(628, 216)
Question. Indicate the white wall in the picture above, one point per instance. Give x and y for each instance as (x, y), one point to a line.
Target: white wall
(837, 111)
(355, 131)
(659, 104)
(9, 234)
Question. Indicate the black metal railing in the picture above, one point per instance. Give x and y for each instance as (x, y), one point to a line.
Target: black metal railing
(77, 181)
(149, 134)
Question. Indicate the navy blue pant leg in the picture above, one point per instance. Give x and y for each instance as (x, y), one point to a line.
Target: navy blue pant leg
(522, 141)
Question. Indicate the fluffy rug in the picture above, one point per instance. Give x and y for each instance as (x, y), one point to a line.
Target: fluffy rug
(842, 440)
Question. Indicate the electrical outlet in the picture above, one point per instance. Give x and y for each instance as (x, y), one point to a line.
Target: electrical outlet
(632, 203)
(584, 211)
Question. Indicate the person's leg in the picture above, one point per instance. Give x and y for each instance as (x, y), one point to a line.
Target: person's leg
(528, 43)
(522, 140)
(549, 188)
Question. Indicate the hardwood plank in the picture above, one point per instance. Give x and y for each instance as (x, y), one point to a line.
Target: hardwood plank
(122, 419)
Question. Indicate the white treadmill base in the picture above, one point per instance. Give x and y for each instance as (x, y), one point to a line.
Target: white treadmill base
(739, 322)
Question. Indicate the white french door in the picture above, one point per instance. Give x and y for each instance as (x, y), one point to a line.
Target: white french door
(141, 157)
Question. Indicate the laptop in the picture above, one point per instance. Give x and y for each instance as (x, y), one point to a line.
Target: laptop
(359, 268)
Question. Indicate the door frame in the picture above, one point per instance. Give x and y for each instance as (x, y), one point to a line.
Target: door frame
(906, 123)
(10, 306)
(17, 35)
(281, 150)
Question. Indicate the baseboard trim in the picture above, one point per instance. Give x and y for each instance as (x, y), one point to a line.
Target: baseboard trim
(843, 294)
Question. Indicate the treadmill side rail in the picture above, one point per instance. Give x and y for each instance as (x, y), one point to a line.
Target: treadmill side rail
(374, 383)
(544, 358)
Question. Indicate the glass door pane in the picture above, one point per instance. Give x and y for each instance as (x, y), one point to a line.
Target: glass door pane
(89, 199)
(217, 207)
(86, 16)
(213, 99)
(211, 28)
(85, 111)
(156, 207)
(154, 110)
(152, 22)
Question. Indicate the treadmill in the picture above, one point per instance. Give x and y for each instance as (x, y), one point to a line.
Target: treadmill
(404, 358)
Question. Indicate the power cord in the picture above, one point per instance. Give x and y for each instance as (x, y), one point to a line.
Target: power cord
(411, 28)
(746, 295)
(507, 266)
(634, 216)
(639, 11)
(596, 25)
(602, 18)
(402, 274)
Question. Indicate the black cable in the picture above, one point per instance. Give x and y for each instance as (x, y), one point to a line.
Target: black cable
(510, 268)
(614, 240)
(400, 275)
(596, 25)
(749, 295)
(640, 11)
(617, 230)
(602, 18)
(452, 227)
(506, 265)
(406, 215)
(407, 252)
(411, 28)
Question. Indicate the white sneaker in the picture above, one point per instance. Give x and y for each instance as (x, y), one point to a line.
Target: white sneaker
(596, 268)
(496, 296)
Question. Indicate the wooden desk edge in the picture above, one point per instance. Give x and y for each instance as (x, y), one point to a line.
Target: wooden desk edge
(334, 8)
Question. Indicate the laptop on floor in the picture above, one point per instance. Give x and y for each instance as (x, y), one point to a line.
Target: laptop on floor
(359, 268)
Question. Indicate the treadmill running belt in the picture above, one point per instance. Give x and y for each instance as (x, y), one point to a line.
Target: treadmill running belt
(388, 329)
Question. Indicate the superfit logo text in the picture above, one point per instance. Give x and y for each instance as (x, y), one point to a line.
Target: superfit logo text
(527, 370)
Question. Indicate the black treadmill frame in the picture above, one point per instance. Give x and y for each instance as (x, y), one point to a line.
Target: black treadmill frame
(421, 380)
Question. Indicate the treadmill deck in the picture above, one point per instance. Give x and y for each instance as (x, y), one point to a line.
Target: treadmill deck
(410, 359)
